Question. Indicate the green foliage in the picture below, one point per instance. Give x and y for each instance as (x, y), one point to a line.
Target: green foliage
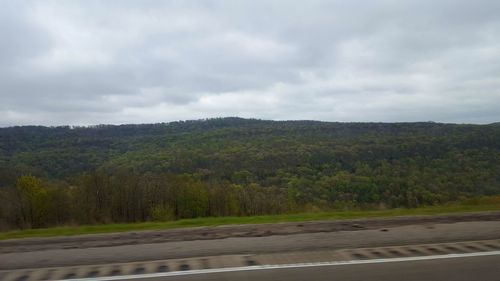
(474, 205)
(33, 202)
(162, 213)
(192, 199)
(237, 167)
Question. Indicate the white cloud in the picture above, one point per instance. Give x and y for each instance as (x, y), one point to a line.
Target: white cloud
(88, 62)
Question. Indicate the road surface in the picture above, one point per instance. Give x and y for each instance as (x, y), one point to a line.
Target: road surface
(384, 249)
(480, 268)
(401, 235)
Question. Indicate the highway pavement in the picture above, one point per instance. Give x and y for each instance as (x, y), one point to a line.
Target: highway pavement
(401, 235)
(480, 268)
(440, 249)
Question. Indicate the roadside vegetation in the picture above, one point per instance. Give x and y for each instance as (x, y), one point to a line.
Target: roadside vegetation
(474, 205)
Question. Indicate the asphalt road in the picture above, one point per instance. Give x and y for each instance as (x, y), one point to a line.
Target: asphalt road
(402, 235)
(413, 234)
(484, 268)
(236, 231)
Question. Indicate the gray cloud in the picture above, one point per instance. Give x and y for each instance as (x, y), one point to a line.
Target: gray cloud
(89, 62)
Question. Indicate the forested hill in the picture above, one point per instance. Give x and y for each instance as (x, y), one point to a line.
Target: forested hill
(227, 147)
(223, 147)
(234, 166)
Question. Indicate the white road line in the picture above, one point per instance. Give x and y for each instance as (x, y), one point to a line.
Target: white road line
(283, 266)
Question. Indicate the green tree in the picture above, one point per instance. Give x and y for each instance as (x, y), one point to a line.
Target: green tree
(33, 203)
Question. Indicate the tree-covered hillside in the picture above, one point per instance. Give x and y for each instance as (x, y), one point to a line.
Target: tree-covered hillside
(234, 166)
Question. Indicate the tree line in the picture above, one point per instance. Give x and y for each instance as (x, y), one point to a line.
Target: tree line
(128, 197)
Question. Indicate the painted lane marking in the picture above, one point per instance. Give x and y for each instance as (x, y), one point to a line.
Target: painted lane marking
(283, 266)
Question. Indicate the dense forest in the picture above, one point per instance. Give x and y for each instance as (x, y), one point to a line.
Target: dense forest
(232, 166)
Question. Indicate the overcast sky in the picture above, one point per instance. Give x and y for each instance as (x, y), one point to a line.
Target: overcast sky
(113, 62)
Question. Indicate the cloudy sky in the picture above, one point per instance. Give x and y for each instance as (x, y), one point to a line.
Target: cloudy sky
(94, 62)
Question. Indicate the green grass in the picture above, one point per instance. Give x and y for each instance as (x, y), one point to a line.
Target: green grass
(475, 205)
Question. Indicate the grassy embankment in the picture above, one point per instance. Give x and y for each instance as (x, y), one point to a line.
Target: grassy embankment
(475, 205)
